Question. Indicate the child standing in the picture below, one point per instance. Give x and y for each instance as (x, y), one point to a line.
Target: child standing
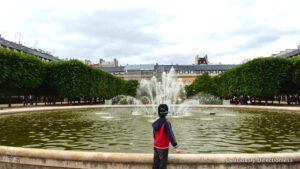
(163, 135)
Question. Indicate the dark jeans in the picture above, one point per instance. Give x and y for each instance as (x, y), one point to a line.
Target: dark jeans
(160, 160)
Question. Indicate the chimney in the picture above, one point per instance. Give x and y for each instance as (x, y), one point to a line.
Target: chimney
(101, 61)
(197, 60)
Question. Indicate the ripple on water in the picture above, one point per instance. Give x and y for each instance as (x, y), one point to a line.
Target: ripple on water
(151, 120)
(136, 113)
(226, 114)
(107, 117)
(261, 140)
(287, 150)
(175, 116)
(150, 116)
(206, 119)
(55, 147)
(101, 113)
(32, 145)
(58, 143)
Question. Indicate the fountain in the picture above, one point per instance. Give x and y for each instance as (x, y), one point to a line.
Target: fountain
(169, 91)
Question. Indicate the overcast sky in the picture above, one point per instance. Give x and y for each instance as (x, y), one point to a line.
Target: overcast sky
(149, 32)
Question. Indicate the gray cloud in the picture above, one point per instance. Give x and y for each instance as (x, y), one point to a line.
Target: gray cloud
(171, 32)
(259, 36)
(102, 33)
(114, 33)
(259, 40)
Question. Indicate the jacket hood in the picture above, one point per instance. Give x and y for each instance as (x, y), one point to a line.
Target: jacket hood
(158, 123)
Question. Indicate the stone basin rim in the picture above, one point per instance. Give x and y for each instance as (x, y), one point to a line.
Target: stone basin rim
(147, 158)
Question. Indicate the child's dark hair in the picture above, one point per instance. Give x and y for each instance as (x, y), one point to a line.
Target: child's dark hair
(162, 110)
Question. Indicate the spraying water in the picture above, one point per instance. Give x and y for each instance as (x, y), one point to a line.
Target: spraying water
(169, 91)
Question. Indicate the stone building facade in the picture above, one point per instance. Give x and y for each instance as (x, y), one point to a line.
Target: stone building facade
(187, 73)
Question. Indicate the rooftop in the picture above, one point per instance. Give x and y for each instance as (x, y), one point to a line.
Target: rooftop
(218, 67)
(168, 67)
(140, 67)
(291, 54)
(113, 69)
(20, 47)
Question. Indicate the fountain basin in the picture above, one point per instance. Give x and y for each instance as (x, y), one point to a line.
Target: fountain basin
(16, 157)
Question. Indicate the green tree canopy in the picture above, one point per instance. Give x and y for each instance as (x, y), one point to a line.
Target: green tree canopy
(24, 74)
(130, 87)
(203, 83)
(20, 73)
(261, 77)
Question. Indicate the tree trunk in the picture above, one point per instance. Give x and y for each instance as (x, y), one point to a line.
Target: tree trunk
(272, 100)
(9, 101)
(23, 101)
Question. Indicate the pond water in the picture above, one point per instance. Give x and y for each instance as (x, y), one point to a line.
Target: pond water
(129, 130)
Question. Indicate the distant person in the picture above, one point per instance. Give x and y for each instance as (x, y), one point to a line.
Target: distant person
(293, 99)
(236, 100)
(30, 99)
(163, 135)
(248, 100)
(26, 100)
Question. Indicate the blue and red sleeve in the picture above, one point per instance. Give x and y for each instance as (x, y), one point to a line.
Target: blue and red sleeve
(170, 134)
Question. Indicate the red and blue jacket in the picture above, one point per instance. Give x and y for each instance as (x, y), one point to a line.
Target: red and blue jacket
(163, 134)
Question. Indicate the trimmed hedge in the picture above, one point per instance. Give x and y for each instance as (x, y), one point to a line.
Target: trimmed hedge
(23, 74)
(260, 77)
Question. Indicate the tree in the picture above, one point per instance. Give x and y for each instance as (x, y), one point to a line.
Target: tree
(130, 87)
(293, 85)
(203, 83)
(261, 77)
(21, 74)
